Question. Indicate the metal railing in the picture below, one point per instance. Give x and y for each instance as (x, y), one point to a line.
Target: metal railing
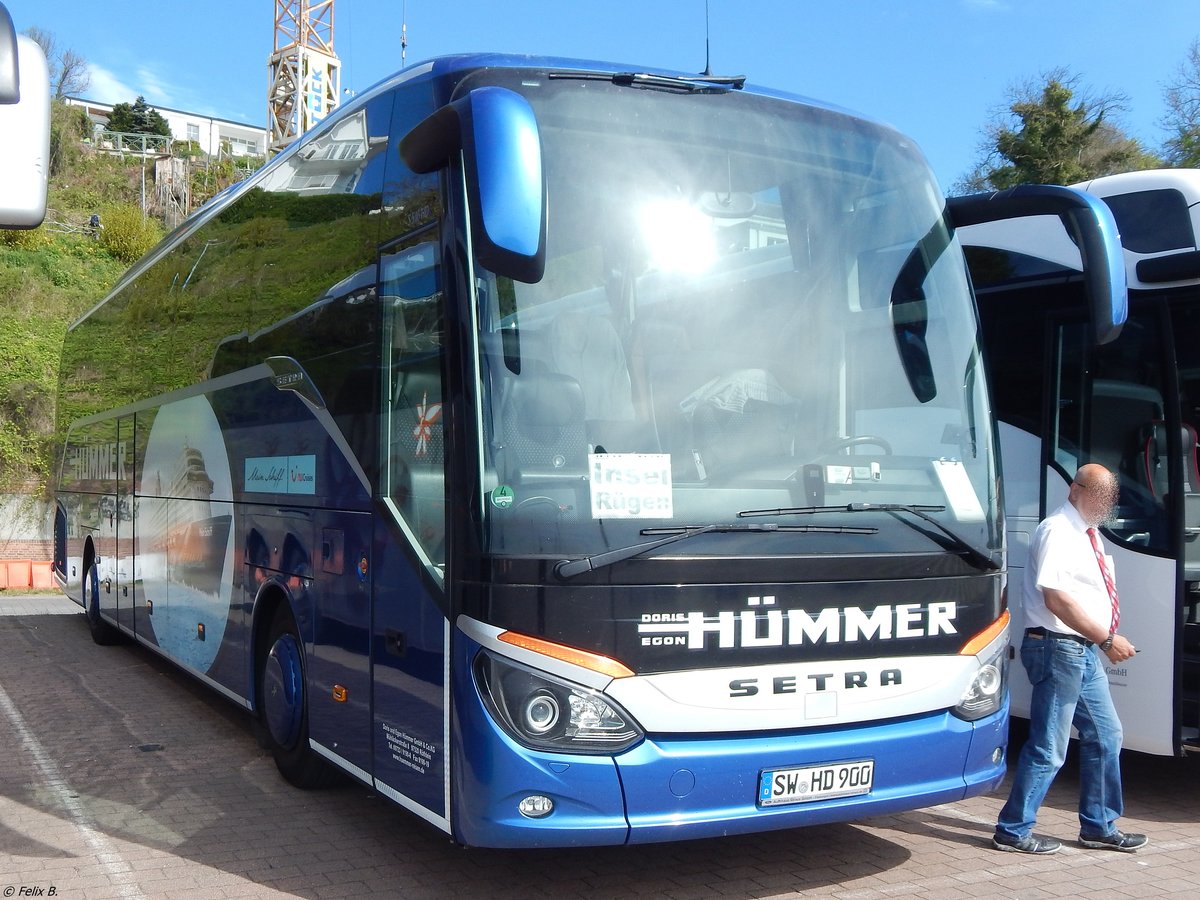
(137, 144)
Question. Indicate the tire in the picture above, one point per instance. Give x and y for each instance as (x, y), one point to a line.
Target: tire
(283, 705)
(103, 633)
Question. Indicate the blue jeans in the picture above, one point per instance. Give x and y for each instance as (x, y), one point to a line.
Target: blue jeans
(1069, 688)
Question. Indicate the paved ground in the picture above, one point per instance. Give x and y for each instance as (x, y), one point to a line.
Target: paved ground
(121, 778)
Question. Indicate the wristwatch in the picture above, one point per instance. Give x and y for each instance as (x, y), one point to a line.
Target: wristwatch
(1106, 644)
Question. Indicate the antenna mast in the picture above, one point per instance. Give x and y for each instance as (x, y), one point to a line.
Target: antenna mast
(305, 73)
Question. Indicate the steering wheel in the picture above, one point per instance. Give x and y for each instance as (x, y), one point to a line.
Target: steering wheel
(860, 439)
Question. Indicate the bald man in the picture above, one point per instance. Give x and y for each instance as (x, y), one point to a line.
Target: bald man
(1072, 614)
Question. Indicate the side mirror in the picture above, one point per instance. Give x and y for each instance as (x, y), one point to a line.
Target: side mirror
(25, 125)
(1091, 226)
(497, 133)
(10, 77)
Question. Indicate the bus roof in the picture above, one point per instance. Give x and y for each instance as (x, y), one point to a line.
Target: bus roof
(1157, 212)
(447, 67)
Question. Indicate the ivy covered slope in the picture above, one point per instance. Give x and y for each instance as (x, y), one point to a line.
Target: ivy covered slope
(49, 277)
(44, 286)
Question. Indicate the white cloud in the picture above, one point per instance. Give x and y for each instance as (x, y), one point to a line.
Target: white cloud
(156, 89)
(146, 80)
(107, 87)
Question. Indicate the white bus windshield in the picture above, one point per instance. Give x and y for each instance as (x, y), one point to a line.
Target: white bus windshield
(747, 305)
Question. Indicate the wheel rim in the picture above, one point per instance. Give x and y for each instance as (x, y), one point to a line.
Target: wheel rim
(283, 691)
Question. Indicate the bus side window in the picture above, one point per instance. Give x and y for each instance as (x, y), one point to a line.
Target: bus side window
(1109, 410)
(414, 477)
(1184, 321)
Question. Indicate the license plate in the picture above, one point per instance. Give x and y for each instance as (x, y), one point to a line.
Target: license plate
(777, 787)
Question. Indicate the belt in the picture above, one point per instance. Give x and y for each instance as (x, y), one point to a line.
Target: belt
(1047, 633)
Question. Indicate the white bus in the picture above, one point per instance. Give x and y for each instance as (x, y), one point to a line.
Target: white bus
(1132, 404)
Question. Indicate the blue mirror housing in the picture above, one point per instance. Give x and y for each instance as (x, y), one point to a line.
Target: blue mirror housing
(497, 133)
(1104, 265)
(503, 137)
(1091, 225)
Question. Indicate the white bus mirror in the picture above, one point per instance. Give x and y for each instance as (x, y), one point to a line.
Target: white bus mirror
(25, 125)
(10, 78)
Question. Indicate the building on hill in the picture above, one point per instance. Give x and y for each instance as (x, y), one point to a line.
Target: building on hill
(211, 134)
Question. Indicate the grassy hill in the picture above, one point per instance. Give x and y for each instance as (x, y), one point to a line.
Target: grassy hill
(52, 275)
(44, 286)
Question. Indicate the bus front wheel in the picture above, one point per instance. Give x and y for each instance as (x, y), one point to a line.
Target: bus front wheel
(283, 704)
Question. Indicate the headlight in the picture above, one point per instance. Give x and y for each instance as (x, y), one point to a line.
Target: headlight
(547, 713)
(985, 693)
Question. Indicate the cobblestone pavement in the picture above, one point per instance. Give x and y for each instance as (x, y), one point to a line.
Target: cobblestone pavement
(122, 778)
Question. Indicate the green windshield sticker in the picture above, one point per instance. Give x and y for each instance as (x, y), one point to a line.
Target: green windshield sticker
(502, 497)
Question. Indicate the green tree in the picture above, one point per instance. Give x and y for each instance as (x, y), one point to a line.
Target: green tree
(1182, 120)
(137, 118)
(1053, 135)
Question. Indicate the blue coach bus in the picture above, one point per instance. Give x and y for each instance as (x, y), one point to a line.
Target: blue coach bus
(574, 454)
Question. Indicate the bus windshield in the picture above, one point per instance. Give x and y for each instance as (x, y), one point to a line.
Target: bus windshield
(747, 305)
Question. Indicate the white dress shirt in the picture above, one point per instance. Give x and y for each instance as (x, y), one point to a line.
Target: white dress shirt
(1061, 557)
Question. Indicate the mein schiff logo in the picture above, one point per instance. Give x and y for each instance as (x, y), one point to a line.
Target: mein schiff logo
(281, 474)
(762, 626)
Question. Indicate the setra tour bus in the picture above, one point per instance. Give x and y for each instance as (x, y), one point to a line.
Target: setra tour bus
(1132, 404)
(574, 454)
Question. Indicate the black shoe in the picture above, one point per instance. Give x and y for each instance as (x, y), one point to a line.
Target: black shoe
(1126, 843)
(1028, 844)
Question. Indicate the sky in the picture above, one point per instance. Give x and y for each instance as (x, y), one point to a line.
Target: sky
(937, 70)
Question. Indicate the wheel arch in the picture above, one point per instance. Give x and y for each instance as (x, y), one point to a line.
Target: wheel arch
(272, 595)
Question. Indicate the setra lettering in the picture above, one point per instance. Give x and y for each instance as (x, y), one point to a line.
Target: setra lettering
(818, 681)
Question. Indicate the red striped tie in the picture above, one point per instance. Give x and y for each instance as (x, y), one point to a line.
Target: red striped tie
(1108, 581)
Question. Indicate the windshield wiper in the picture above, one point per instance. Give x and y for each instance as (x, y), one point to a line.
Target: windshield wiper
(569, 568)
(687, 83)
(944, 537)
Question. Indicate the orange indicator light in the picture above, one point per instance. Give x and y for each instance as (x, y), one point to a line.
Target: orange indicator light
(594, 661)
(985, 637)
